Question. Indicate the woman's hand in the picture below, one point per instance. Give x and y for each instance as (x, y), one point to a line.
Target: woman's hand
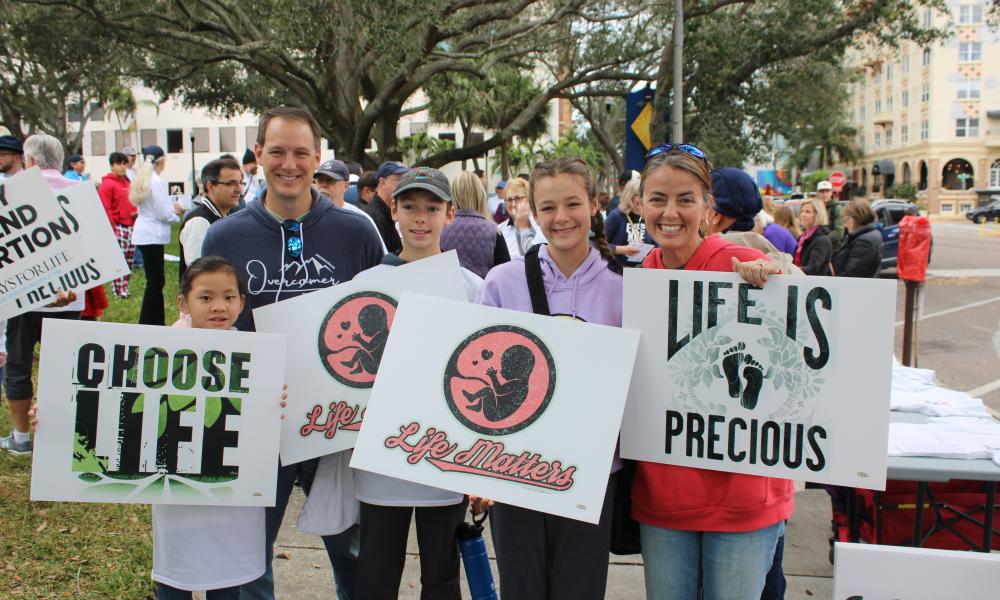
(178, 209)
(63, 298)
(33, 416)
(626, 250)
(755, 272)
(284, 400)
(479, 505)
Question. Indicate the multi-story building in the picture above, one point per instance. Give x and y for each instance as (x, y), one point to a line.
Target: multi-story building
(930, 116)
(179, 130)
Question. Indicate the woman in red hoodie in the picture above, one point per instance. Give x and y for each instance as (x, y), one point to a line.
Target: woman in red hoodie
(701, 529)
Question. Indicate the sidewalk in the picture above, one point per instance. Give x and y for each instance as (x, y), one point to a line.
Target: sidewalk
(304, 572)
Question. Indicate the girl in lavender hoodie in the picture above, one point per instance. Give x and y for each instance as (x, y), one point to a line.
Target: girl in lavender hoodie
(542, 556)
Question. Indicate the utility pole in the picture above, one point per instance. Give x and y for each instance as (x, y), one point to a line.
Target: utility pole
(677, 110)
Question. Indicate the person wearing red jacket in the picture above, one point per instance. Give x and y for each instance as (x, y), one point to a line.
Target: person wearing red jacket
(701, 529)
(114, 196)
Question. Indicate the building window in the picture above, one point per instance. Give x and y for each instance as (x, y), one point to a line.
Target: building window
(947, 208)
(970, 14)
(925, 92)
(927, 18)
(995, 174)
(966, 128)
(878, 76)
(927, 57)
(878, 140)
(957, 175)
(122, 139)
(175, 141)
(888, 137)
(878, 105)
(147, 137)
(904, 64)
(904, 134)
(888, 103)
(964, 207)
(862, 113)
(969, 89)
(227, 139)
(888, 72)
(970, 51)
(200, 135)
(418, 127)
(905, 98)
(250, 138)
(97, 143)
(924, 130)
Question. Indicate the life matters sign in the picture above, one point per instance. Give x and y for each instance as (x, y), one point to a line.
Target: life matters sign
(37, 241)
(789, 381)
(869, 572)
(84, 212)
(156, 415)
(500, 404)
(339, 335)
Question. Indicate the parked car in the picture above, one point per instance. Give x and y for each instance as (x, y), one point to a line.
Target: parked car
(990, 212)
(888, 214)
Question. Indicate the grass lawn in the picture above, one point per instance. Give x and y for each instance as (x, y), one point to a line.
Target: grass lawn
(77, 550)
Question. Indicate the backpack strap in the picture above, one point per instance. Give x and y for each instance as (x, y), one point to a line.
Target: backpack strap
(536, 287)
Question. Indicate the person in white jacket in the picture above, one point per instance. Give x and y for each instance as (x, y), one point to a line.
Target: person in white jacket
(151, 231)
(520, 231)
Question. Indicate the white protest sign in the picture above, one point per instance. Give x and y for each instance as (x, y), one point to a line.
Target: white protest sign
(868, 572)
(339, 335)
(513, 406)
(184, 200)
(106, 263)
(789, 381)
(157, 415)
(37, 245)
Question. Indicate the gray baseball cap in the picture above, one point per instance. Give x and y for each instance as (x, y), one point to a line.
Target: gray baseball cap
(424, 178)
(334, 169)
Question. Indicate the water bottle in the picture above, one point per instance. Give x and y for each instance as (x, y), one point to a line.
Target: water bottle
(476, 560)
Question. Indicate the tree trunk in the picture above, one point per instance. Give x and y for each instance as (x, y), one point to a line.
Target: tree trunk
(505, 164)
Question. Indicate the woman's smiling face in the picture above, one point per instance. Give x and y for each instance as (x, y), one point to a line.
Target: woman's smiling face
(673, 208)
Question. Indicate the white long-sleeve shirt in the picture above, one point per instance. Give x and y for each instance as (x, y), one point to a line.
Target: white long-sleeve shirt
(152, 225)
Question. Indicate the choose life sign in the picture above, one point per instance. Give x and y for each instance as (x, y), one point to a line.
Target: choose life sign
(499, 404)
(38, 244)
(340, 336)
(790, 381)
(156, 415)
(85, 214)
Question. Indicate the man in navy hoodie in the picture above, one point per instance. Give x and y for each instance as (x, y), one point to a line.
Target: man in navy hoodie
(291, 242)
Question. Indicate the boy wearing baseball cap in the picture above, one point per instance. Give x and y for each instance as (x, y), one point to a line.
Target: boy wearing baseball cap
(422, 206)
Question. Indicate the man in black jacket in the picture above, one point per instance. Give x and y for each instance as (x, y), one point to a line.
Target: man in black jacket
(387, 175)
(222, 179)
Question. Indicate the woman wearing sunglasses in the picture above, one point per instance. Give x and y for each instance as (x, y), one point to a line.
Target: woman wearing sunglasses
(701, 529)
(520, 231)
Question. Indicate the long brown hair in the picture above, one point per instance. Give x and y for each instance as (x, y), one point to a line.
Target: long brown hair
(577, 167)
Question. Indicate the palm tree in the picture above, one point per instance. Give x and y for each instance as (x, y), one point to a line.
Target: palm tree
(826, 144)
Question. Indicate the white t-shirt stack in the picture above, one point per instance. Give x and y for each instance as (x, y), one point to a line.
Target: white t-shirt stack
(207, 547)
(382, 490)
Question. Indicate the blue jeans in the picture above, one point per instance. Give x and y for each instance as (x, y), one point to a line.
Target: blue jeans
(730, 566)
(165, 592)
(342, 548)
(774, 587)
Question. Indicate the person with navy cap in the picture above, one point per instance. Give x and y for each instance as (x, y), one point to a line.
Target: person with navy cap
(332, 179)
(387, 175)
(76, 168)
(251, 183)
(11, 156)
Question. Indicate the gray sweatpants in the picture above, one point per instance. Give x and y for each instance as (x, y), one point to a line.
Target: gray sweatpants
(546, 557)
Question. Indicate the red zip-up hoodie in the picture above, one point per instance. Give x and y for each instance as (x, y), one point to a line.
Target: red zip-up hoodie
(114, 196)
(690, 499)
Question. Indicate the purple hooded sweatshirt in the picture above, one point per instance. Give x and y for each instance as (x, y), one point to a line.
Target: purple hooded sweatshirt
(592, 294)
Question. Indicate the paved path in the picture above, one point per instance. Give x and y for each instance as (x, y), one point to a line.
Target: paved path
(306, 574)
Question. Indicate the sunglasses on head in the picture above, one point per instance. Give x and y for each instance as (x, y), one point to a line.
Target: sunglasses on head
(691, 149)
(293, 238)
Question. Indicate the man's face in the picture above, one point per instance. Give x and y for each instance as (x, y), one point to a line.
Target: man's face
(79, 166)
(387, 186)
(332, 188)
(118, 169)
(250, 168)
(131, 161)
(366, 194)
(225, 193)
(10, 162)
(825, 195)
(502, 193)
(289, 157)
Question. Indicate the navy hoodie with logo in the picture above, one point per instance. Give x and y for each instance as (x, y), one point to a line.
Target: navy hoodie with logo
(336, 245)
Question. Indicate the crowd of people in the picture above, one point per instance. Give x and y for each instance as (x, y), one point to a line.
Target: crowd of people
(702, 531)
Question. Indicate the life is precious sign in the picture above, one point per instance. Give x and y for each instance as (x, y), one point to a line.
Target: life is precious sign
(37, 241)
(789, 381)
(157, 415)
(339, 335)
(507, 405)
(85, 213)
(871, 572)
